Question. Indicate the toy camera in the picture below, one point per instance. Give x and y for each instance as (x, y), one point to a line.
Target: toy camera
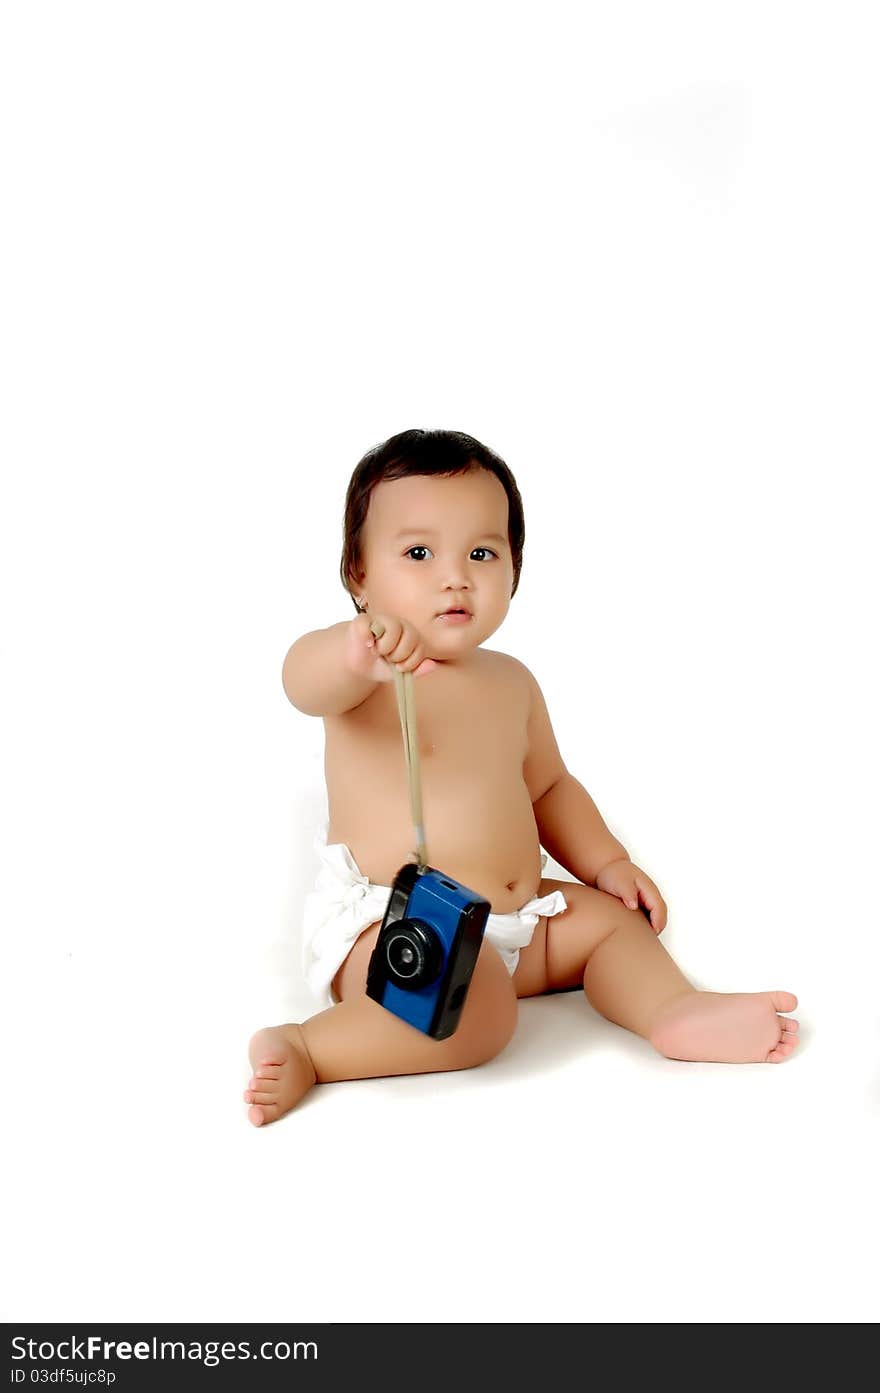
(424, 957)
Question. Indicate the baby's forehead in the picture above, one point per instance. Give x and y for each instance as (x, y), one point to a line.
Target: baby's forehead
(468, 502)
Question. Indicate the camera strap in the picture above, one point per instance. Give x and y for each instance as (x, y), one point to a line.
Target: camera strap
(406, 705)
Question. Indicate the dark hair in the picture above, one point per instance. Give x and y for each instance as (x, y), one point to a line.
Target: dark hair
(438, 452)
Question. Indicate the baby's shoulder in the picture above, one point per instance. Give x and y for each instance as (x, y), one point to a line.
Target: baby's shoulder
(517, 677)
(509, 671)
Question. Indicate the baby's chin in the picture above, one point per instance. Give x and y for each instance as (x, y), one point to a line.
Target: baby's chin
(447, 633)
(450, 653)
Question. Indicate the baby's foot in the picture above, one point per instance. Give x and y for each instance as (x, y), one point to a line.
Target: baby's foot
(283, 1073)
(727, 1027)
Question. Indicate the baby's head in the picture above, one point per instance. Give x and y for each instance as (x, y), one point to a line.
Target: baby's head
(434, 519)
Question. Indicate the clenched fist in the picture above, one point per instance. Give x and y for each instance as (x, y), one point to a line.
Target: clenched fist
(401, 646)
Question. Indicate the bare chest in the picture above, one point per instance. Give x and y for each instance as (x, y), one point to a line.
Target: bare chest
(472, 740)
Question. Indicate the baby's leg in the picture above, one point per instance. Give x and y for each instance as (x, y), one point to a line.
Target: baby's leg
(630, 978)
(359, 1039)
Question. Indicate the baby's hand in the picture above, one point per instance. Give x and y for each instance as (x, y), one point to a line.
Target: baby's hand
(628, 883)
(401, 647)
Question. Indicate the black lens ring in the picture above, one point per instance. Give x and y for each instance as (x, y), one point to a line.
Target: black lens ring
(426, 943)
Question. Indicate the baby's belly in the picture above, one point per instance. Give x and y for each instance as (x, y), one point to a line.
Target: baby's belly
(479, 831)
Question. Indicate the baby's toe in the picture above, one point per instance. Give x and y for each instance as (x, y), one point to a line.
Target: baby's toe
(267, 1112)
(783, 1001)
(263, 1095)
(261, 1091)
(786, 1046)
(790, 1025)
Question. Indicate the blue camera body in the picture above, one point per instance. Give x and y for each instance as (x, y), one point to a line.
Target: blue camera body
(424, 958)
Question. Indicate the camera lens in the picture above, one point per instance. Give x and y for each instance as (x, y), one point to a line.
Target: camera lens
(402, 957)
(413, 954)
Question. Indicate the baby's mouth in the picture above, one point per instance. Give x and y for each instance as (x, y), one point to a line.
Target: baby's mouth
(453, 617)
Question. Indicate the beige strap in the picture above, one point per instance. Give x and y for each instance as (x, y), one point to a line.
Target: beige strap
(406, 705)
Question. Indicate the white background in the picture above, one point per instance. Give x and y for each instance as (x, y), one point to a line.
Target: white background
(632, 248)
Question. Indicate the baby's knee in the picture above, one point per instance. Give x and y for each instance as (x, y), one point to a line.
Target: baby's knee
(618, 915)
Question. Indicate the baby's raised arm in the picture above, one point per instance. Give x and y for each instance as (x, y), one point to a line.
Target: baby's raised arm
(316, 676)
(330, 671)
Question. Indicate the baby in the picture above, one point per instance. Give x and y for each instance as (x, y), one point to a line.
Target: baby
(433, 544)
